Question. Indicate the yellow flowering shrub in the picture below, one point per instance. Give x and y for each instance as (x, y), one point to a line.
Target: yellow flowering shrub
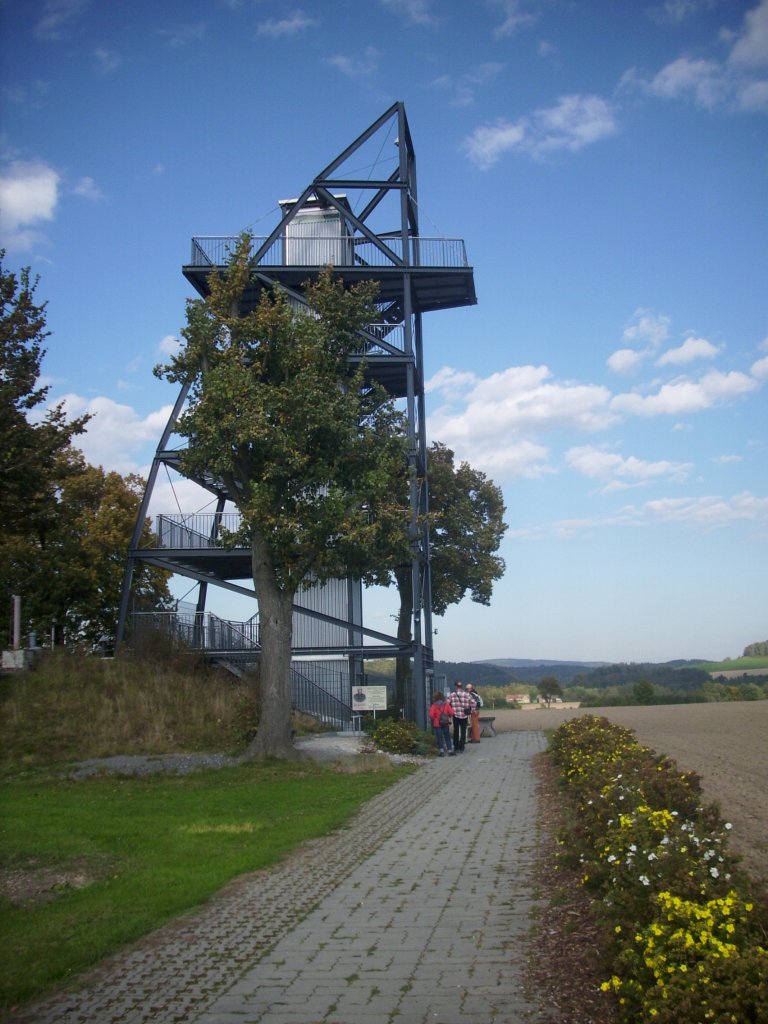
(688, 942)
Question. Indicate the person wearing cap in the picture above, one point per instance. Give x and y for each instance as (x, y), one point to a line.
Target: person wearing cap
(462, 704)
(474, 718)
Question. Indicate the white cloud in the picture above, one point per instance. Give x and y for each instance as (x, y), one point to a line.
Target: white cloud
(709, 512)
(117, 437)
(510, 459)
(648, 326)
(169, 345)
(713, 84)
(685, 395)
(56, 18)
(624, 360)
(451, 382)
(751, 47)
(107, 60)
(759, 369)
(676, 11)
(296, 22)
(417, 12)
(513, 17)
(464, 87)
(705, 513)
(183, 35)
(753, 97)
(697, 79)
(600, 464)
(688, 352)
(574, 122)
(494, 422)
(486, 144)
(88, 189)
(29, 194)
(173, 495)
(355, 66)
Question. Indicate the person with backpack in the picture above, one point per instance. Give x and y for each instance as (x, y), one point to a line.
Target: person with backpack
(474, 718)
(440, 714)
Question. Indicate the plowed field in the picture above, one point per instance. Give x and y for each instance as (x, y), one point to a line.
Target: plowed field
(725, 744)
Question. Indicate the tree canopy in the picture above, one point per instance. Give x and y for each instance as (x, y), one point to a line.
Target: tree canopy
(306, 448)
(36, 450)
(66, 525)
(466, 527)
(549, 688)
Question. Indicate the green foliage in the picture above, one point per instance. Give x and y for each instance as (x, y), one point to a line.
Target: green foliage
(304, 445)
(66, 525)
(465, 530)
(549, 688)
(686, 929)
(36, 457)
(758, 650)
(395, 736)
(466, 527)
(72, 574)
(677, 678)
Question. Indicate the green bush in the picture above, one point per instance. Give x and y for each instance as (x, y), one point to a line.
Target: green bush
(688, 933)
(395, 736)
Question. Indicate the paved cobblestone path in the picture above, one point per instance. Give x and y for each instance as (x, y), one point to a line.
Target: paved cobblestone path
(416, 912)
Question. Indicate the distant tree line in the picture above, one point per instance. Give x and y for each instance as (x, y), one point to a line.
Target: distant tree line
(606, 686)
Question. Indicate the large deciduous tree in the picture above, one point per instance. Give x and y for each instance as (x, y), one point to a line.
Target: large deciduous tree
(71, 573)
(466, 526)
(36, 448)
(66, 526)
(306, 448)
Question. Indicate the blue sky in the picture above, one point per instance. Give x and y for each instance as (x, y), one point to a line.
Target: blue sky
(606, 164)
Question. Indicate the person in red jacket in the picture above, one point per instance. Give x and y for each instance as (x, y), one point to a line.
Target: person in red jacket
(440, 714)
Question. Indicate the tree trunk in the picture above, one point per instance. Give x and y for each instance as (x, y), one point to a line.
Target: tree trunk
(273, 737)
(405, 615)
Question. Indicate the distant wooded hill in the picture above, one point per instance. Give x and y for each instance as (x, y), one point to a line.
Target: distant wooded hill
(683, 675)
(508, 671)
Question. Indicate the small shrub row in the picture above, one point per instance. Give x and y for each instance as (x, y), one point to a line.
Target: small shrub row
(686, 933)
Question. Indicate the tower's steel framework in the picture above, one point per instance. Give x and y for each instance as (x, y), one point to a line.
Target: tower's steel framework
(367, 228)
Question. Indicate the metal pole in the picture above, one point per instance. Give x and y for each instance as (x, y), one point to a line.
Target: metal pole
(16, 622)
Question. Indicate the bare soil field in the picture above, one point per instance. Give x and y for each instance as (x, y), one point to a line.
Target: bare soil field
(725, 744)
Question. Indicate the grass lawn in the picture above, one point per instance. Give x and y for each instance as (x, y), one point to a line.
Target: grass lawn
(134, 852)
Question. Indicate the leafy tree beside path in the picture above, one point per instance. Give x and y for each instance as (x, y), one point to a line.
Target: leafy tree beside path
(305, 447)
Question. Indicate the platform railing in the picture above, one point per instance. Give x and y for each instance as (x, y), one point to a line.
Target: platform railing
(349, 250)
(199, 530)
(238, 643)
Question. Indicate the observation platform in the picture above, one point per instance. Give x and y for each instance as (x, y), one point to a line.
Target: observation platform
(440, 275)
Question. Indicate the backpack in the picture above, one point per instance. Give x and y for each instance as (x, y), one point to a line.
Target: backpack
(445, 718)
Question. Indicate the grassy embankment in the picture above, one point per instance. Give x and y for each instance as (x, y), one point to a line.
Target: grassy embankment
(90, 865)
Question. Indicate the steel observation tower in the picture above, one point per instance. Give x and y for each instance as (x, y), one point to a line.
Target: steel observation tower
(366, 225)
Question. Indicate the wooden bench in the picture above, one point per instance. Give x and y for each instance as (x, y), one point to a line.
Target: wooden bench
(486, 722)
